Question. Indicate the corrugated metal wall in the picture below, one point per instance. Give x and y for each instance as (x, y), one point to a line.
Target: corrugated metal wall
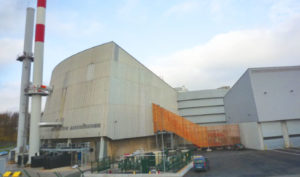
(202, 106)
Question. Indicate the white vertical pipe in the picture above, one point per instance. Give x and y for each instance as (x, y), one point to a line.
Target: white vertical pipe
(101, 150)
(34, 139)
(26, 66)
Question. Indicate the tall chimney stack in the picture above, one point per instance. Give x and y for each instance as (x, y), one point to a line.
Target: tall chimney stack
(34, 138)
(26, 58)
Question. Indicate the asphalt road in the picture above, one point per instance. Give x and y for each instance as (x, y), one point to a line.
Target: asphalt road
(250, 163)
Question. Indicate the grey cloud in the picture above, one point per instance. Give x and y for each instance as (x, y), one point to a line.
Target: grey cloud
(223, 59)
(12, 15)
(9, 50)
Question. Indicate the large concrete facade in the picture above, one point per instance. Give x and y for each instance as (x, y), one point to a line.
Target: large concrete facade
(104, 92)
(205, 107)
(265, 101)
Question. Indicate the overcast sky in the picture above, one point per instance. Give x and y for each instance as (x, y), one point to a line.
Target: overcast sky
(200, 44)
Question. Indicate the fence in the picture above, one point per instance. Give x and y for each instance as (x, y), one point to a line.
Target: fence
(101, 165)
(175, 162)
(163, 162)
(201, 136)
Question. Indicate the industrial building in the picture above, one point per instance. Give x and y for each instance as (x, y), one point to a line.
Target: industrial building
(103, 102)
(203, 107)
(265, 102)
(104, 96)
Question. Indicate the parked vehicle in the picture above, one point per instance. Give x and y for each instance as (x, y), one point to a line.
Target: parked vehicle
(3, 153)
(153, 170)
(200, 163)
(239, 147)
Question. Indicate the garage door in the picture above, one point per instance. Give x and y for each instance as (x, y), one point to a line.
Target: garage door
(274, 143)
(295, 141)
(294, 132)
(272, 135)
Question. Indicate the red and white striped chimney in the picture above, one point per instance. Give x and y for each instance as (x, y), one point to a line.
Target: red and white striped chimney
(40, 21)
(34, 138)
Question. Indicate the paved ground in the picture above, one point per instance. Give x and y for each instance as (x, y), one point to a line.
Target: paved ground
(40, 172)
(250, 163)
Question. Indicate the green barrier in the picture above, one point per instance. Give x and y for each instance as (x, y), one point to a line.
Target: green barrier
(101, 165)
(143, 164)
(175, 162)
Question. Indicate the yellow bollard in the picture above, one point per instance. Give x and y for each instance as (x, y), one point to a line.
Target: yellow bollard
(7, 174)
(17, 174)
(133, 172)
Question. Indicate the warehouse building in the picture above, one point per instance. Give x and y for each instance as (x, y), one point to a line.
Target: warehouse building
(203, 107)
(104, 96)
(265, 102)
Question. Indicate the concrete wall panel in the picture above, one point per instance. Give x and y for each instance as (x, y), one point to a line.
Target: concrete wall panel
(239, 101)
(104, 91)
(250, 136)
(277, 93)
(202, 111)
(202, 94)
(131, 145)
(207, 118)
(201, 103)
(133, 89)
(202, 106)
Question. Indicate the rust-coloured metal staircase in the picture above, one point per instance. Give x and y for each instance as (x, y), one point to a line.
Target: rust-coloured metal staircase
(201, 136)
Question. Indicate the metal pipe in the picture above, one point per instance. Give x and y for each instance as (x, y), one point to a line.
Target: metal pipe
(163, 150)
(101, 150)
(34, 139)
(172, 140)
(162, 141)
(25, 81)
(156, 140)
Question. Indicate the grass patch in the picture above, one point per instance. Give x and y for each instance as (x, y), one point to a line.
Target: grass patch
(6, 148)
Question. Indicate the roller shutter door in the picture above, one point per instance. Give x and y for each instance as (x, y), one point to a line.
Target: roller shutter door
(276, 143)
(294, 132)
(272, 135)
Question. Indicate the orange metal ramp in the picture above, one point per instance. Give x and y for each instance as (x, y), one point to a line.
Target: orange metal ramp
(201, 136)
